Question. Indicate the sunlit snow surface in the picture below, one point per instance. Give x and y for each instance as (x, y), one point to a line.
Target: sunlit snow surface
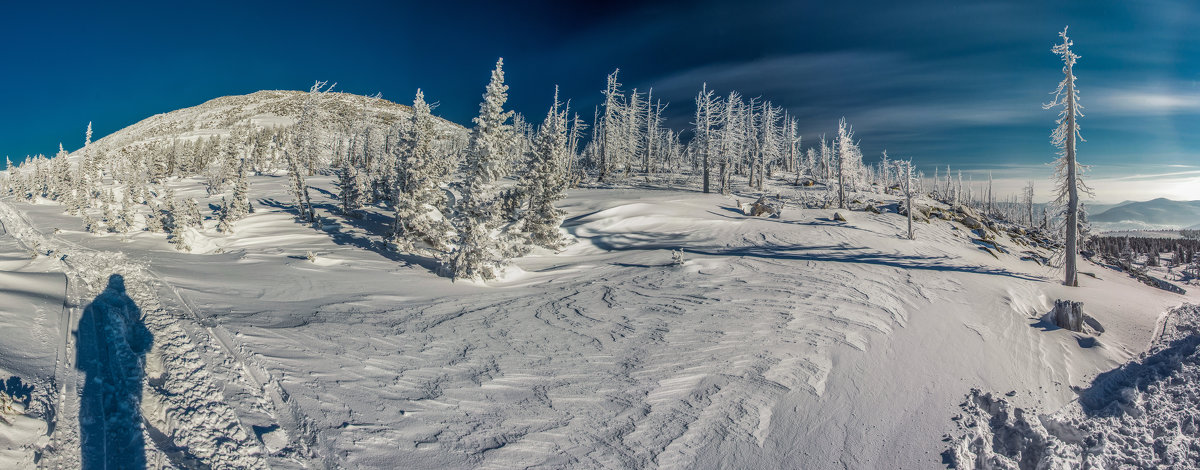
(795, 342)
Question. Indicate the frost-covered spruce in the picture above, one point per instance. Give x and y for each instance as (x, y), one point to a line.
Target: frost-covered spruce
(545, 181)
(239, 205)
(418, 176)
(224, 220)
(349, 190)
(477, 254)
(191, 213)
(154, 220)
(109, 217)
(175, 220)
(125, 214)
(91, 225)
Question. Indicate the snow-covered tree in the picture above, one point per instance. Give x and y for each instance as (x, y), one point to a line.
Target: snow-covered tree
(704, 123)
(299, 188)
(769, 136)
(477, 254)
(154, 219)
(1027, 200)
(991, 198)
(238, 206)
(904, 171)
(849, 161)
(1067, 171)
(419, 175)
(191, 214)
(885, 176)
(546, 180)
(733, 121)
(608, 130)
(90, 224)
(240, 202)
(349, 190)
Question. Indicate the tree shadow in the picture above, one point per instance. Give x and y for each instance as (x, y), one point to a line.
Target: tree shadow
(814, 222)
(367, 222)
(847, 254)
(111, 346)
(18, 390)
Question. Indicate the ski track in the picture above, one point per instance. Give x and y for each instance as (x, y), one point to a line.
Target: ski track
(187, 422)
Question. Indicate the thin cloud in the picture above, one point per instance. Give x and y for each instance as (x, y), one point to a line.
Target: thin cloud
(1156, 101)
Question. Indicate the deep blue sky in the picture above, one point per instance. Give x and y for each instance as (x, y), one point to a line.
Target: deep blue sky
(956, 83)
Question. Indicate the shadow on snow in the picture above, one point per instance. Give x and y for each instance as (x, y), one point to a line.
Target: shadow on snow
(1106, 395)
(368, 222)
(111, 346)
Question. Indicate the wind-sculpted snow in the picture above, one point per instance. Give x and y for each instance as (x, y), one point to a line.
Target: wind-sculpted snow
(1144, 414)
(639, 368)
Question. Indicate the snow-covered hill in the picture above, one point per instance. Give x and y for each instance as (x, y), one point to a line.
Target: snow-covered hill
(263, 109)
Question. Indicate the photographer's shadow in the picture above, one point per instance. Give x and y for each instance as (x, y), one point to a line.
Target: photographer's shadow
(111, 346)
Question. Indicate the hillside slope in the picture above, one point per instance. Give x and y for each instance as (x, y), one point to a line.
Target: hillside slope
(268, 108)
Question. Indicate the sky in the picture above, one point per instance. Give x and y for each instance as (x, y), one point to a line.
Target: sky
(942, 82)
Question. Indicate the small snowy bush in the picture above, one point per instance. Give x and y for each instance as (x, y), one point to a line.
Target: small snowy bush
(677, 257)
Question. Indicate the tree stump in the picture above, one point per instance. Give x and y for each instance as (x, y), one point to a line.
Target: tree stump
(761, 207)
(1068, 315)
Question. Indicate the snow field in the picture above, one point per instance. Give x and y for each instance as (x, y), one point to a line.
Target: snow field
(797, 341)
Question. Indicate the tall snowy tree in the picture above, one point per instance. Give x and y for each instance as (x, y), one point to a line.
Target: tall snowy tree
(1027, 200)
(419, 175)
(732, 120)
(991, 201)
(301, 155)
(349, 190)
(904, 171)
(769, 142)
(240, 203)
(237, 207)
(703, 139)
(608, 130)
(849, 160)
(547, 181)
(299, 188)
(1067, 171)
(477, 254)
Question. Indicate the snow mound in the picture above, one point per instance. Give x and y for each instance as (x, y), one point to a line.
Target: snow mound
(1144, 414)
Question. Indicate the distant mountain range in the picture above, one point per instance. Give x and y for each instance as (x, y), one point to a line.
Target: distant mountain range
(1154, 214)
